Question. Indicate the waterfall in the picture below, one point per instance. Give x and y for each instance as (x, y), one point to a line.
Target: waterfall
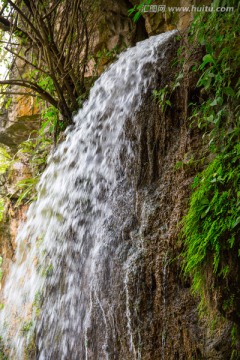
(75, 253)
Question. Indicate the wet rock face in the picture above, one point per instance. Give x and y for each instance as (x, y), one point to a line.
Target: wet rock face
(165, 323)
(153, 313)
(170, 325)
(162, 316)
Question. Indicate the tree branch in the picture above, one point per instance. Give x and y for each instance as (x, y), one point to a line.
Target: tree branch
(6, 25)
(19, 11)
(17, 93)
(51, 10)
(26, 61)
(30, 85)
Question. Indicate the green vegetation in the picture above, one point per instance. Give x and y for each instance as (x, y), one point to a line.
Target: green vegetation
(137, 9)
(212, 224)
(27, 326)
(162, 96)
(1, 208)
(37, 303)
(5, 163)
(36, 148)
(211, 227)
(3, 355)
(5, 160)
(0, 270)
(218, 34)
(35, 151)
(30, 349)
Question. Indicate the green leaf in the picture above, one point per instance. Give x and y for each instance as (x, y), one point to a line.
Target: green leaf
(206, 60)
(235, 224)
(217, 101)
(210, 119)
(229, 91)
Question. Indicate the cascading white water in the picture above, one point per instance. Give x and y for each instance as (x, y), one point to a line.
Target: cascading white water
(60, 289)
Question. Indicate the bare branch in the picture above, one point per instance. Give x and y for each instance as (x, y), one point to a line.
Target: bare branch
(6, 25)
(17, 93)
(20, 12)
(9, 43)
(56, 43)
(27, 61)
(52, 10)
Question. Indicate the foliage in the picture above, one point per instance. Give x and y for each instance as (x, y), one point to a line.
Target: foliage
(218, 33)
(0, 268)
(37, 149)
(1, 208)
(212, 225)
(30, 349)
(5, 163)
(3, 356)
(51, 121)
(137, 10)
(27, 189)
(5, 160)
(37, 303)
(27, 326)
(162, 95)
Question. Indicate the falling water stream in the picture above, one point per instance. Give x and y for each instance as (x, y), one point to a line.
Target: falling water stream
(73, 255)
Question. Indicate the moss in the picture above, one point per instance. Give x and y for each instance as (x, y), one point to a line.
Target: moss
(30, 349)
(3, 352)
(27, 326)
